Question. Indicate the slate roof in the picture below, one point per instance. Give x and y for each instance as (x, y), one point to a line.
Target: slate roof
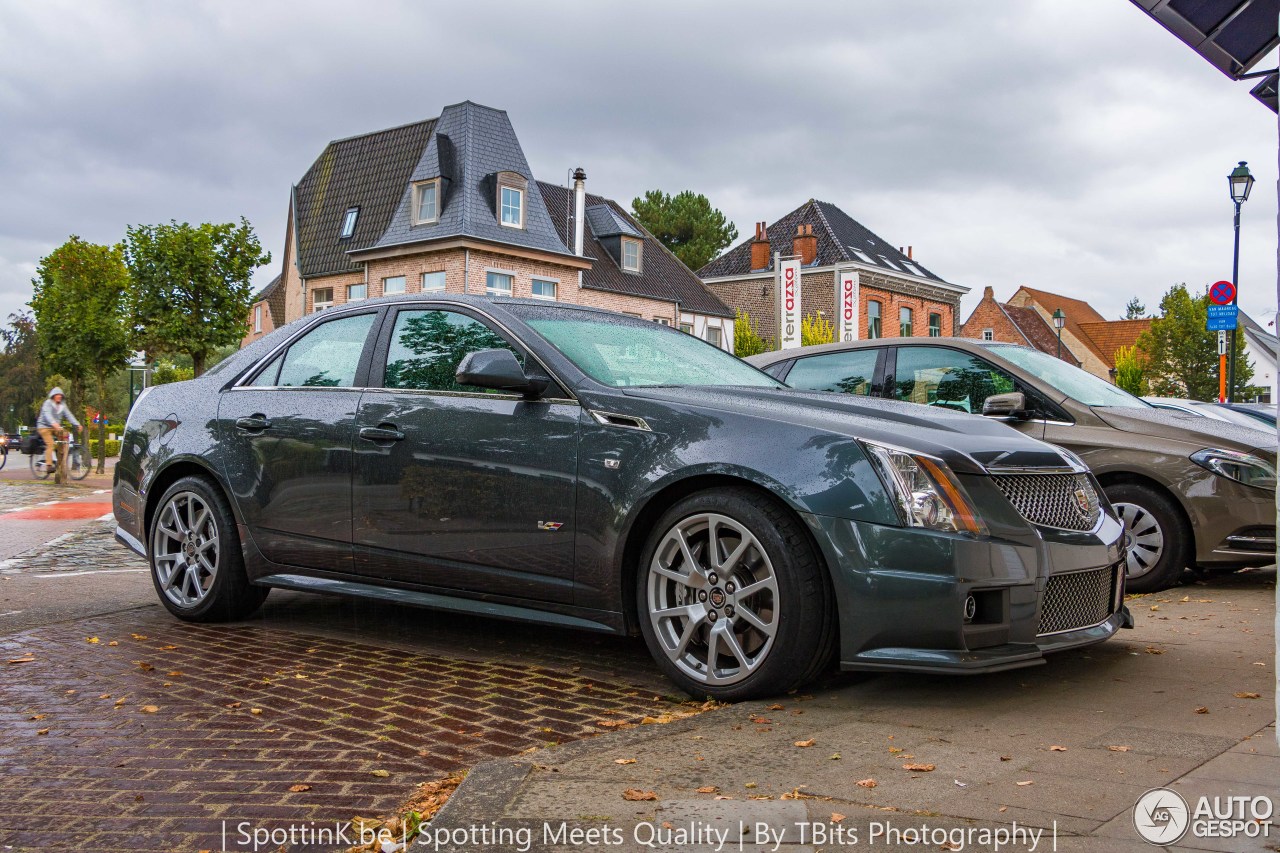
(663, 275)
(470, 145)
(369, 171)
(1260, 336)
(273, 295)
(1037, 332)
(1110, 335)
(605, 222)
(841, 239)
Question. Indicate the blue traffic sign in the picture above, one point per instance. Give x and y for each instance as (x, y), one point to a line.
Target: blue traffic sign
(1222, 318)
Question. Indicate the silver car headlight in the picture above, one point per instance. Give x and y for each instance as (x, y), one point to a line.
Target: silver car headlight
(1241, 467)
(925, 490)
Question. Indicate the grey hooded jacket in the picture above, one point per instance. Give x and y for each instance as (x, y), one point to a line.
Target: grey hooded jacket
(53, 414)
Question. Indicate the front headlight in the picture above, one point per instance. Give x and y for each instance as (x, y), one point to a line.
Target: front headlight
(1241, 467)
(925, 490)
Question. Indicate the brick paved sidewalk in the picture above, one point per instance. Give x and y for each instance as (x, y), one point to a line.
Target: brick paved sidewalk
(140, 742)
(15, 495)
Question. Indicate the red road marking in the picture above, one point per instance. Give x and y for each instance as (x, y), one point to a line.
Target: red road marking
(60, 512)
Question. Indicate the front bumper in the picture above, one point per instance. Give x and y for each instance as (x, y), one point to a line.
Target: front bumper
(1234, 524)
(902, 593)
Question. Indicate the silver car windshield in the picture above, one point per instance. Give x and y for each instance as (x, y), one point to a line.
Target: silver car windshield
(637, 354)
(1079, 385)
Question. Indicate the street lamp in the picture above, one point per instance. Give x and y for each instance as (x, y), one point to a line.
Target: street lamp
(1059, 320)
(1240, 182)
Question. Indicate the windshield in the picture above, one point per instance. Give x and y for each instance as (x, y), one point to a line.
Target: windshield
(1079, 385)
(636, 354)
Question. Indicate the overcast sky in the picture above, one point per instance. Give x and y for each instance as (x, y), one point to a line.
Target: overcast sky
(1071, 146)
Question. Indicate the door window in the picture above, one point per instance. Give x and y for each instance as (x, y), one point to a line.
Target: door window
(427, 347)
(325, 357)
(936, 376)
(850, 372)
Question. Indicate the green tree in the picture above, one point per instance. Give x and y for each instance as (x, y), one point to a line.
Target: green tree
(685, 223)
(431, 347)
(79, 302)
(190, 292)
(746, 339)
(816, 330)
(1131, 372)
(21, 377)
(166, 371)
(1181, 355)
(1134, 309)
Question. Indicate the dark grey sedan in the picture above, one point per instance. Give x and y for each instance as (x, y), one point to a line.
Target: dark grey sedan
(568, 466)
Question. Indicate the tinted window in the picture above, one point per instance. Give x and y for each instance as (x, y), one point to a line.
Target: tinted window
(847, 372)
(327, 356)
(1070, 380)
(427, 346)
(950, 378)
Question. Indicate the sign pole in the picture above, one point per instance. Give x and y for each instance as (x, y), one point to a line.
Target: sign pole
(1235, 280)
(1222, 367)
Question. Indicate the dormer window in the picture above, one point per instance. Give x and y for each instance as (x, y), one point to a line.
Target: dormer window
(511, 188)
(349, 223)
(631, 254)
(426, 202)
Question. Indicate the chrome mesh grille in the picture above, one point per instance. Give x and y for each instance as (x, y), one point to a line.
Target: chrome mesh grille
(1077, 600)
(1065, 501)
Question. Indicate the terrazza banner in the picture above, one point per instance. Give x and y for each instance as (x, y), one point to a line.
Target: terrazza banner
(847, 304)
(788, 303)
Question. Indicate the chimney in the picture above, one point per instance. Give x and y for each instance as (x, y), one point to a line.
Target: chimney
(579, 207)
(760, 248)
(910, 257)
(805, 245)
(988, 293)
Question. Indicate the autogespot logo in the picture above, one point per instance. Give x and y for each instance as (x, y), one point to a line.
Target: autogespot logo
(1161, 816)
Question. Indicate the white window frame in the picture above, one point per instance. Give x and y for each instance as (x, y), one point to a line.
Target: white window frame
(555, 288)
(665, 321)
(257, 318)
(632, 242)
(318, 305)
(706, 335)
(503, 189)
(349, 222)
(988, 334)
(511, 278)
(687, 328)
(418, 190)
(443, 283)
(404, 284)
(351, 298)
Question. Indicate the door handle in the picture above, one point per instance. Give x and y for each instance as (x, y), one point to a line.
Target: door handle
(253, 423)
(386, 432)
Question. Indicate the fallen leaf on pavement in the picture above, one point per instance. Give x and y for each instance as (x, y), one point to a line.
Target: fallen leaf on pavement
(708, 789)
(960, 784)
(866, 783)
(836, 817)
(1057, 749)
(381, 774)
(920, 768)
(233, 704)
(635, 795)
(1026, 783)
(298, 789)
(167, 648)
(91, 640)
(624, 761)
(144, 666)
(175, 674)
(42, 731)
(893, 750)
(775, 708)
(612, 724)
(1202, 710)
(759, 797)
(1006, 758)
(805, 744)
(749, 785)
(120, 701)
(1155, 607)
(149, 709)
(1120, 748)
(723, 797)
(1003, 809)
(27, 658)
(139, 636)
(759, 720)
(37, 716)
(113, 643)
(1152, 650)
(255, 711)
(835, 756)
(1247, 696)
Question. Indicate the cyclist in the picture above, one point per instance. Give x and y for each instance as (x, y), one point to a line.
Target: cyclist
(49, 424)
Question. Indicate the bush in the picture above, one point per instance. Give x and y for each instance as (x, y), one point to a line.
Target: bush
(746, 340)
(816, 330)
(113, 447)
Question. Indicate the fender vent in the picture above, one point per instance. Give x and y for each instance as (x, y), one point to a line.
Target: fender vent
(616, 420)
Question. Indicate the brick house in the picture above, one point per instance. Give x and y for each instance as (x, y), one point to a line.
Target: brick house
(896, 294)
(267, 312)
(1089, 340)
(450, 204)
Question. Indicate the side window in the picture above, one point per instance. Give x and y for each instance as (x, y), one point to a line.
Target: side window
(325, 357)
(949, 378)
(850, 372)
(427, 346)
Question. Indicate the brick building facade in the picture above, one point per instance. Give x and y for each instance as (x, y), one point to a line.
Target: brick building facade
(450, 205)
(829, 242)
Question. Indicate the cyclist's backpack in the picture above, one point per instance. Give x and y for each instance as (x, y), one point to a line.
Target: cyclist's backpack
(32, 444)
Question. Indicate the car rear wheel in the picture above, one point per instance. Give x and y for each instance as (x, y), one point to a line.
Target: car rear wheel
(1155, 537)
(196, 563)
(734, 602)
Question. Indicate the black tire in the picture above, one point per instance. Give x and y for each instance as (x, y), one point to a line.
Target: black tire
(76, 467)
(1142, 507)
(229, 595)
(39, 471)
(802, 615)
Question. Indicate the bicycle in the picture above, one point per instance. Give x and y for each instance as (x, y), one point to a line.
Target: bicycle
(77, 468)
(4, 450)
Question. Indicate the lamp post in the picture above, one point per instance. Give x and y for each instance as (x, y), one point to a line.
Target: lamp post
(1059, 320)
(1240, 182)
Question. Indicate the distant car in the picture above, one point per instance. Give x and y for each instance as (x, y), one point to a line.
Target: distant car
(13, 441)
(1264, 413)
(567, 466)
(1191, 490)
(1200, 408)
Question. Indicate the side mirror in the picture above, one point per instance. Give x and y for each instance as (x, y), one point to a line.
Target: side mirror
(1010, 407)
(498, 369)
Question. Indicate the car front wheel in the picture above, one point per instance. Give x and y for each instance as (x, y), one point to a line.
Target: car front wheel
(1155, 537)
(196, 563)
(734, 603)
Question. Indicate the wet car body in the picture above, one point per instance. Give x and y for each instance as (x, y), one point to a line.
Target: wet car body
(539, 508)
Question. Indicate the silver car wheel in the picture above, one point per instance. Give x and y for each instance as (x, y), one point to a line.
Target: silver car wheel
(185, 549)
(1143, 539)
(713, 599)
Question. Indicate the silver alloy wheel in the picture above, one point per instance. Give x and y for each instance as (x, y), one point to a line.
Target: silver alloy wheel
(713, 599)
(1143, 539)
(184, 549)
